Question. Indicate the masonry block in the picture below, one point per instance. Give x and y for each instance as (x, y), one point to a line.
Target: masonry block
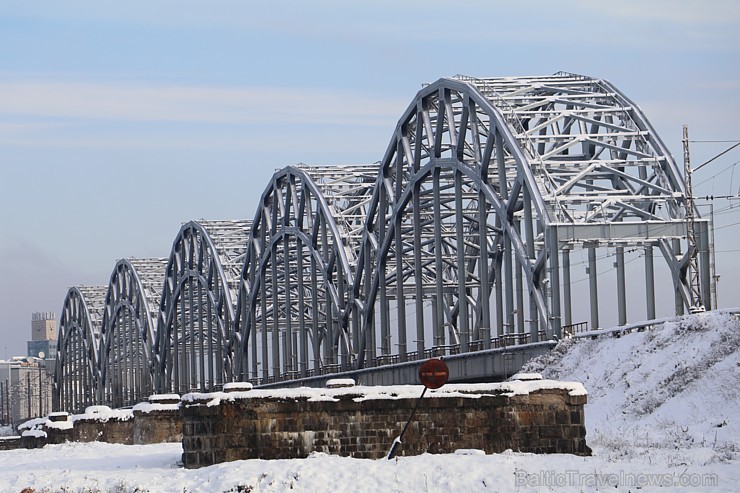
(363, 421)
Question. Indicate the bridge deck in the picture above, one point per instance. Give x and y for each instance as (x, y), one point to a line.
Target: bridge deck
(490, 365)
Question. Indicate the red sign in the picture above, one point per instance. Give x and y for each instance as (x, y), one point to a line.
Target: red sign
(433, 373)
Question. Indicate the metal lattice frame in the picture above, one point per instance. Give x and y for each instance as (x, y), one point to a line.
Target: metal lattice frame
(197, 306)
(603, 173)
(459, 239)
(294, 304)
(542, 165)
(76, 372)
(128, 330)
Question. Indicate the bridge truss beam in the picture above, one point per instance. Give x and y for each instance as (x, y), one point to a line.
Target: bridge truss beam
(76, 374)
(128, 331)
(192, 346)
(293, 315)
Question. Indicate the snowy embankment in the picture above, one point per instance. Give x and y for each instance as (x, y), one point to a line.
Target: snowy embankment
(668, 393)
(662, 416)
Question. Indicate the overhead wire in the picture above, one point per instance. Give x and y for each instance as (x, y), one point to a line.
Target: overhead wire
(731, 166)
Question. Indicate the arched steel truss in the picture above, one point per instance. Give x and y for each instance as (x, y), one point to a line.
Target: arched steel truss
(293, 315)
(76, 375)
(459, 239)
(128, 331)
(605, 178)
(542, 165)
(193, 350)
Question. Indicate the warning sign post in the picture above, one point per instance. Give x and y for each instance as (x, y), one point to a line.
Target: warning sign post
(433, 374)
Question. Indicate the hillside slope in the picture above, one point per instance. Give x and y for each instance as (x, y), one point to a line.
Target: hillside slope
(668, 393)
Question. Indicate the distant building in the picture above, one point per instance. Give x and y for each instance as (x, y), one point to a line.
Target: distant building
(44, 326)
(25, 390)
(26, 382)
(42, 349)
(43, 343)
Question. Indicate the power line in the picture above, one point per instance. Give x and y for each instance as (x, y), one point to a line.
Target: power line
(712, 197)
(727, 226)
(715, 141)
(718, 173)
(715, 157)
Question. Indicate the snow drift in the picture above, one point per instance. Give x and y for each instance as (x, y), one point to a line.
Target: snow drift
(670, 390)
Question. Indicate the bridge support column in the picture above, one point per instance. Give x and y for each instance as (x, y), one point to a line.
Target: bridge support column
(275, 317)
(265, 353)
(485, 285)
(499, 297)
(593, 287)
(438, 298)
(649, 282)
(400, 296)
(704, 263)
(462, 298)
(508, 285)
(621, 287)
(419, 293)
(302, 309)
(678, 297)
(556, 323)
(567, 305)
(534, 324)
(519, 286)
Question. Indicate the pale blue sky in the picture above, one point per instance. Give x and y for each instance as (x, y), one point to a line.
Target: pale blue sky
(121, 120)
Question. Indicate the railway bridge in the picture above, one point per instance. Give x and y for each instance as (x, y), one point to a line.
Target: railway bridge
(461, 242)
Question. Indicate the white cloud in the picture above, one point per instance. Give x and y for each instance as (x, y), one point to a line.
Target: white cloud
(337, 142)
(128, 102)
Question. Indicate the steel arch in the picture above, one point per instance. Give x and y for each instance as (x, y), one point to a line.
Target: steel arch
(197, 306)
(605, 176)
(451, 134)
(547, 164)
(298, 273)
(128, 331)
(76, 373)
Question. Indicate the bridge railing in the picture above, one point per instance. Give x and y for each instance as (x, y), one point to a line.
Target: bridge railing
(452, 349)
(498, 342)
(571, 330)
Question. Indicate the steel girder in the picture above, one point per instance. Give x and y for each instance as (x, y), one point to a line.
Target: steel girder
(459, 239)
(603, 173)
(293, 314)
(128, 331)
(542, 165)
(444, 217)
(76, 373)
(192, 345)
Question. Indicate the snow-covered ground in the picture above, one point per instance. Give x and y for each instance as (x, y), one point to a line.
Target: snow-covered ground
(662, 416)
(668, 393)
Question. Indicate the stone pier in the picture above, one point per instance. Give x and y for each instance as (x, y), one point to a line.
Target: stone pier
(537, 416)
